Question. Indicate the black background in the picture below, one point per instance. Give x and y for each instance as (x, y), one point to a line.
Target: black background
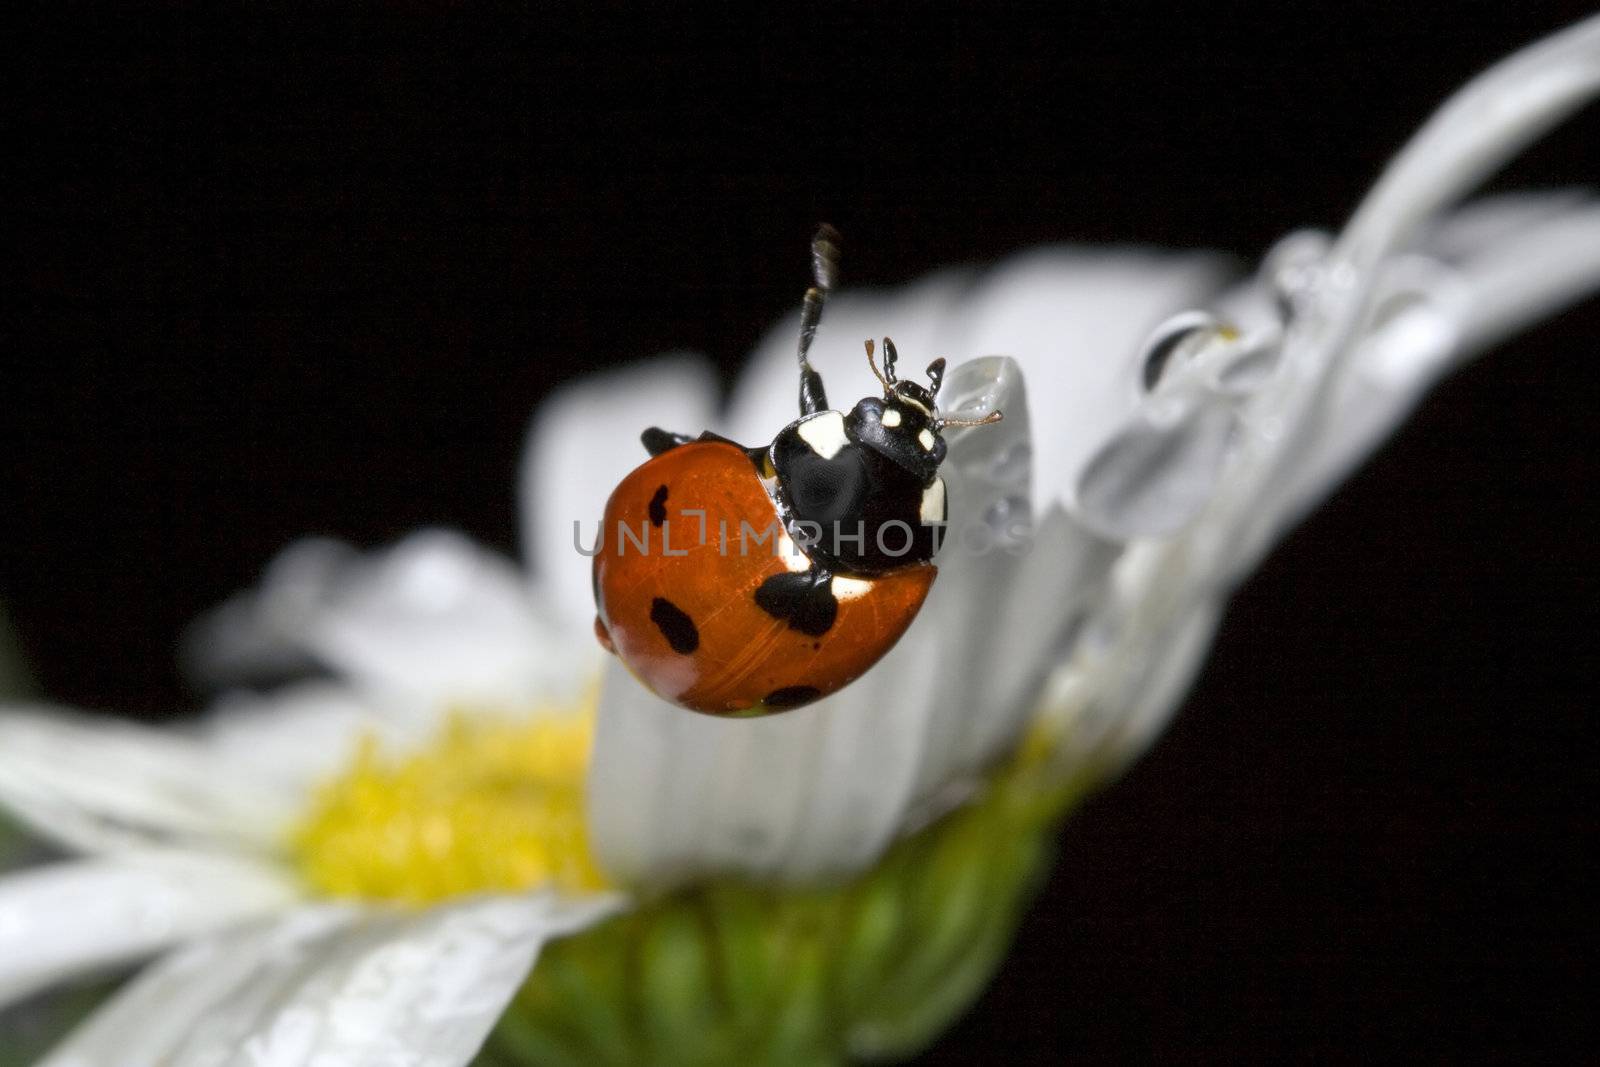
(273, 277)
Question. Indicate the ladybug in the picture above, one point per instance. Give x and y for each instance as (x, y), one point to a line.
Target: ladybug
(745, 581)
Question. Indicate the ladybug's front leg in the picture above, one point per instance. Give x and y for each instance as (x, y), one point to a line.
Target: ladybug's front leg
(824, 273)
(656, 440)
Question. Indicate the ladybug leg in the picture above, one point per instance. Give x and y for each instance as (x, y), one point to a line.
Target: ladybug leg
(824, 274)
(813, 397)
(757, 456)
(803, 599)
(656, 440)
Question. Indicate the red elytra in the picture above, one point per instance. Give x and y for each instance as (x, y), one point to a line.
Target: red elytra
(689, 626)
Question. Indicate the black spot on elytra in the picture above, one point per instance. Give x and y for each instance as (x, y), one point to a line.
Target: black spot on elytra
(804, 600)
(792, 696)
(658, 507)
(674, 625)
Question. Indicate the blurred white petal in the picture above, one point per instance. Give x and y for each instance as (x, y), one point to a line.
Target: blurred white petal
(584, 438)
(298, 735)
(1536, 269)
(96, 784)
(1075, 319)
(1157, 472)
(1481, 126)
(1374, 322)
(1160, 467)
(1490, 221)
(434, 620)
(262, 631)
(1118, 694)
(1474, 133)
(69, 918)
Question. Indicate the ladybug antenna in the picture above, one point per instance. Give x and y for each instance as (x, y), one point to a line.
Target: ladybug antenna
(888, 385)
(824, 276)
(935, 380)
(992, 417)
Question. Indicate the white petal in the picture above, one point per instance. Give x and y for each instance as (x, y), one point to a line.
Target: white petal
(1527, 272)
(439, 619)
(261, 631)
(436, 620)
(1075, 320)
(1487, 223)
(1008, 594)
(1443, 317)
(298, 735)
(1417, 341)
(1160, 469)
(173, 1001)
(98, 785)
(1481, 126)
(1118, 694)
(69, 918)
(331, 987)
(1356, 366)
(1373, 326)
(584, 439)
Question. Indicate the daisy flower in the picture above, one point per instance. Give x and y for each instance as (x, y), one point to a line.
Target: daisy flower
(473, 826)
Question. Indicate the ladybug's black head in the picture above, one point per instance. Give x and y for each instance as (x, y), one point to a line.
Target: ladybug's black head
(905, 425)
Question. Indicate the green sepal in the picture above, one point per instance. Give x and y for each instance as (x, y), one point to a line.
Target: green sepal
(731, 971)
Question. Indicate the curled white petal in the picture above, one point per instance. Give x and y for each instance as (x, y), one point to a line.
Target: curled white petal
(69, 918)
(1374, 321)
(1533, 271)
(1482, 125)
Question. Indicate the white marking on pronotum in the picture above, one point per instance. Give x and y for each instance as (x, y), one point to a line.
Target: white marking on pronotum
(824, 433)
(849, 588)
(790, 553)
(925, 439)
(914, 402)
(932, 509)
(891, 418)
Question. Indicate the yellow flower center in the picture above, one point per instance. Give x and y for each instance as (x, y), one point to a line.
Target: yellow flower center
(494, 804)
